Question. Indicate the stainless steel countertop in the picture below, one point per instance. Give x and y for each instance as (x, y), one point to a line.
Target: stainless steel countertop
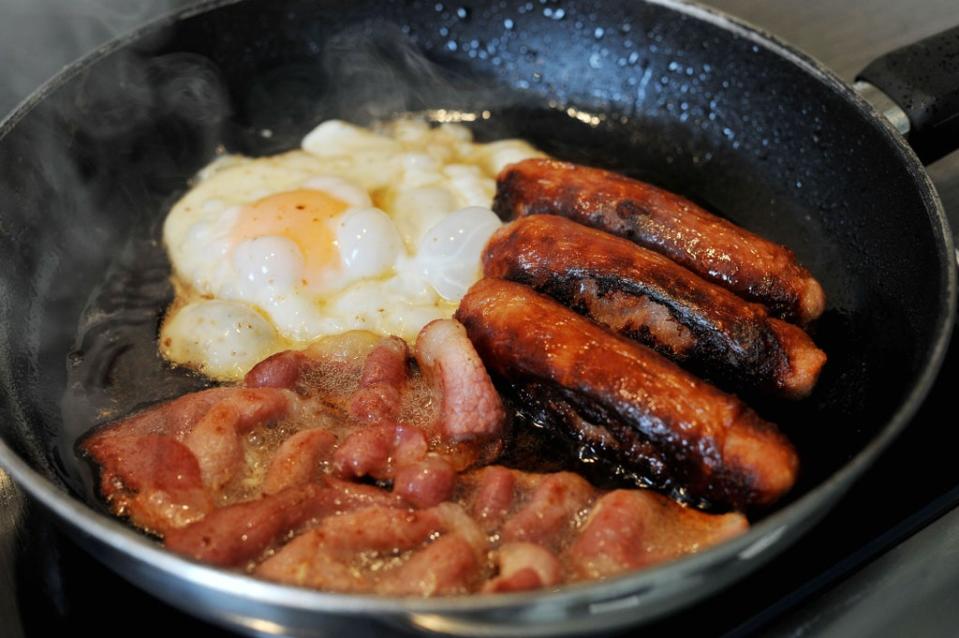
(35, 42)
(909, 591)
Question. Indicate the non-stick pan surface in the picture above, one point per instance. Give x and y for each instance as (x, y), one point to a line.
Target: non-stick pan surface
(675, 94)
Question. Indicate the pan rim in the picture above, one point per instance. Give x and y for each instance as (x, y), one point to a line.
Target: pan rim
(122, 537)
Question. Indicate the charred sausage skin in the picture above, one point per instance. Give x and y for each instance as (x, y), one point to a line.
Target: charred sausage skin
(718, 250)
(649, 298)
(678, 431)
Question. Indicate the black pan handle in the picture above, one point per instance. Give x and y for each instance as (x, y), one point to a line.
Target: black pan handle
(922, 79)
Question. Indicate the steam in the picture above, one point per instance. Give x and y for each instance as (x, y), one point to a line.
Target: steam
(92, 171)
(54, 228)
(378, 73)
(375, 71)
(39, 37)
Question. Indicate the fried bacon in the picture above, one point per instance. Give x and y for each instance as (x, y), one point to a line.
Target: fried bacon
(427, 531)
(550, 509)
(233, 535)
(632, 529)
(154, 479)
(171, 465)
(445, 549)
(642, 295)
(425, 483)
(376, 451)
(298, 460)
(524, 566)
(262, 479)
(325, 556)
(281, 370)
(215, 438)
(492, 495)
(158, 469)
(716, 249)
(378, 398)
(445, 567)
(471, 407)
(625, 400)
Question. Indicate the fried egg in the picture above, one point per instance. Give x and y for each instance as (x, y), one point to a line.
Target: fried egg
(360, 229)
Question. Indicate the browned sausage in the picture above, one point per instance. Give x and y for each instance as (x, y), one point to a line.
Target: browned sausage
(652, 299)
(626, 401)
(716, 249)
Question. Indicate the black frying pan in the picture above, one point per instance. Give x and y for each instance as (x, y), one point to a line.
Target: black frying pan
(673, 93)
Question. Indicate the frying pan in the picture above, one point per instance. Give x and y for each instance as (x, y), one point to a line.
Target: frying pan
(686, 97)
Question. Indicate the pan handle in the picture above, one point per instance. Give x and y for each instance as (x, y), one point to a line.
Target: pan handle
(920, 84)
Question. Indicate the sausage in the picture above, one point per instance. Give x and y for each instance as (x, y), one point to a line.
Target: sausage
(714, 248)
(625, 400)
(647, 297)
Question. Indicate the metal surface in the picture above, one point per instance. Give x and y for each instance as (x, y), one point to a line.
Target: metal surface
(589, 608)
(884, 105)
(910, 591)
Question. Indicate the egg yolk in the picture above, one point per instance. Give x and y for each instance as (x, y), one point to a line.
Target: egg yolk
(301, 216)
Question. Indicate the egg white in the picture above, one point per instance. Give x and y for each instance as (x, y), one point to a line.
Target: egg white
(402, 252)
